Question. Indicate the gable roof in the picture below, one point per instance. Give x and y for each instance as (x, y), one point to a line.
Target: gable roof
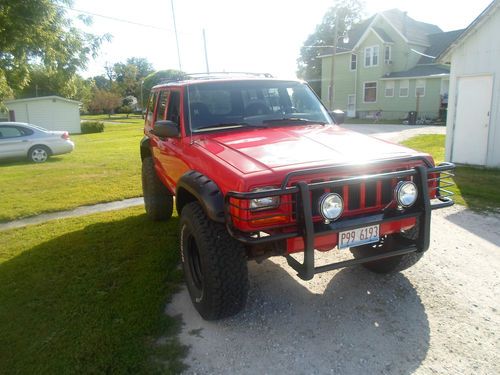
(39, 98)
(445, 55)
(383, 35)
(439, 42)
(411, 30)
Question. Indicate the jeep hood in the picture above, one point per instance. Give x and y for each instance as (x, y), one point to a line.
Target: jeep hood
(298, 147)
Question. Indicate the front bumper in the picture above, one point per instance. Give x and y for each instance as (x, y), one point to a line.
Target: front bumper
(308, 230)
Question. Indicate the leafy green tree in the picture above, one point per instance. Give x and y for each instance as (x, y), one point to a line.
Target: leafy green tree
(130, 74)
(45, 82)
(155, 79)
(39, 32)
(343, 14)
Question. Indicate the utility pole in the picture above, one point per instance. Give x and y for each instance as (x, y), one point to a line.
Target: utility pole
(335, 37)
(206, 55)
(176, 37)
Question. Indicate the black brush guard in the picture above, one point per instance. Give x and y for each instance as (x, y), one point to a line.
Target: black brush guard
(307, 229)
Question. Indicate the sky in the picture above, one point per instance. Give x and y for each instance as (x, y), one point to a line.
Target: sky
(251, 36)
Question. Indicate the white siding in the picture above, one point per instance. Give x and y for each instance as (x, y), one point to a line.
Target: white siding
(479, 54)
(49, 113)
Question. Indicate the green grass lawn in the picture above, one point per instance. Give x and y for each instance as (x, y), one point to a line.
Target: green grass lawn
(103, 167)
(476, 188)
(87, 296)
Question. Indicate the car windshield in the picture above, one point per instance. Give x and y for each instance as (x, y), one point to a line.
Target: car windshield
(228, 105)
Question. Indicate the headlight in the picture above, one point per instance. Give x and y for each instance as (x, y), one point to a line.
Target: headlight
(406, 193)
(265, 203)
(331, 206)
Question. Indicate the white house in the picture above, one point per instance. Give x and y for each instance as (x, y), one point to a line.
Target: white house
(473, 123)
(49, 112)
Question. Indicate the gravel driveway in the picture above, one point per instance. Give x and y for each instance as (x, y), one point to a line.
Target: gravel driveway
(441, 316)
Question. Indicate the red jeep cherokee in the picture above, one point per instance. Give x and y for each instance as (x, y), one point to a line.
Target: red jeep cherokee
(259, 168)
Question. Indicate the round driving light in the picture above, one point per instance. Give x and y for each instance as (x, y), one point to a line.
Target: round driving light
(406, 193)
(331, 206)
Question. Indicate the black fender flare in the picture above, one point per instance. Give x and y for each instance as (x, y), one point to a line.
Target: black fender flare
(195, 186)
(145, 148)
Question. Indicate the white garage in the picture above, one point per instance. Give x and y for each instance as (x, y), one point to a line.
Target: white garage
(50, 112)
(473, 123)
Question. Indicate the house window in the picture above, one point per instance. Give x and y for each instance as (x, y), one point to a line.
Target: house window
(370, 92)
(371, 56)
(420, 88)
(389, 89)
(354, 61)
(404, 87)
(388, 54)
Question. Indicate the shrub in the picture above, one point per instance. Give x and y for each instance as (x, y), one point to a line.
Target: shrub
(92, 127)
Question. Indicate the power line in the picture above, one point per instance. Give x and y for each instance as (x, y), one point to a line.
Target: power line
(116, 19)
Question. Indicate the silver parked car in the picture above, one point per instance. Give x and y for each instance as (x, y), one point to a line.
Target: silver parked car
(18, 139)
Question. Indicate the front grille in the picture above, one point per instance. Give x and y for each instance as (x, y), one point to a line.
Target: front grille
(364, 197)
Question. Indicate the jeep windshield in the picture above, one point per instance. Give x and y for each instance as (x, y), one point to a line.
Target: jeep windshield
(253, 103)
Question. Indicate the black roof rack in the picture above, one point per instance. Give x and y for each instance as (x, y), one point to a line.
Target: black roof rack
(226, 74)
(213, 75)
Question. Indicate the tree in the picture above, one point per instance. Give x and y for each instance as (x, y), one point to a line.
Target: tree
(45, 82)
(104, 101)
(155, 79)
(130, 74)
(344, 14)
(39, 32)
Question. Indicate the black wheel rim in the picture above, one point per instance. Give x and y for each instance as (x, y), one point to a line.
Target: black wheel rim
(194, 263)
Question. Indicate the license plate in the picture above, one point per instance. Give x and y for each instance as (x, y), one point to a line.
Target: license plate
(359, 236)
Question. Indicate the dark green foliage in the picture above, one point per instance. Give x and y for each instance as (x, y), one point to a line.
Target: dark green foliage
(345, 13)
(92, 127)
(40, 31)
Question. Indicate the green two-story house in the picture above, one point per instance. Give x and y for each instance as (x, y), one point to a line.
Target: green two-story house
(387, 68)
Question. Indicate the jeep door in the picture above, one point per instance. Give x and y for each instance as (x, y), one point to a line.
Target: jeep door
(170, 149)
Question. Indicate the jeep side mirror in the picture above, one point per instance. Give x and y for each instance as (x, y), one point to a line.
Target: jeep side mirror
(166, 129)
(338, 116)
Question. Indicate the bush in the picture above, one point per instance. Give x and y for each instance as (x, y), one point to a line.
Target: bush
(92, 127)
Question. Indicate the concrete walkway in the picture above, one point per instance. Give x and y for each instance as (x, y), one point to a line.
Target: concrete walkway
(392, 133)
(395, 133)
(79, 211)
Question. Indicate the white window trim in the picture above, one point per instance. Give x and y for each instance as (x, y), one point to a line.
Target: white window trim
(376, 91)
(420, 87)
(407, 87)
(371, 48)
(393, 89)
(386, 61)
(350, 62)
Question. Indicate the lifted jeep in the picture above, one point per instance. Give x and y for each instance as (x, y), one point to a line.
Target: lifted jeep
(259, 168)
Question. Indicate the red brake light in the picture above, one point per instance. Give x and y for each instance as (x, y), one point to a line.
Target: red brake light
(65, 135)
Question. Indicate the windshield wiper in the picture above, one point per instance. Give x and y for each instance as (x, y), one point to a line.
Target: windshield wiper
(294, 119)
(229, 125)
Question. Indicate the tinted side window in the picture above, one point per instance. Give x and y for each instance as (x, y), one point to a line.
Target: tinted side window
(162, 105)
(173, 107)
(10, 132)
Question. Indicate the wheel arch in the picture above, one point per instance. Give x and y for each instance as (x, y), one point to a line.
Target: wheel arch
(195, 186)
(50, 152)
(145, 148)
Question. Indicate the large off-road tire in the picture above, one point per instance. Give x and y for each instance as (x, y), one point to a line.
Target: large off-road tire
(158, 200)
(387, 265)
(214, 263)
